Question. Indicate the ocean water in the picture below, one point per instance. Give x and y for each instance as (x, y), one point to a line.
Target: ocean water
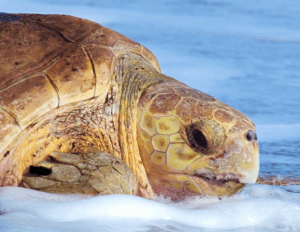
(246, 54)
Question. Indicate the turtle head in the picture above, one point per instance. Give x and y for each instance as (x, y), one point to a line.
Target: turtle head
(193, 144)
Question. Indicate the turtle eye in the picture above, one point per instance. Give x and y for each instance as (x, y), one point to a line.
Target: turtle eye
(199, 138)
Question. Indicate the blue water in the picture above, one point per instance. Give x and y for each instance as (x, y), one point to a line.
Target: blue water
(245, 53)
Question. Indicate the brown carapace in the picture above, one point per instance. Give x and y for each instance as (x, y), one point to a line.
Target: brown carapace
(69, 85)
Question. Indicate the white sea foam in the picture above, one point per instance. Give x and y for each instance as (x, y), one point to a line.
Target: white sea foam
(258, 206)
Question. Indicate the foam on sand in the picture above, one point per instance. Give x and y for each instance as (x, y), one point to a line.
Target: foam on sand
(258, 206)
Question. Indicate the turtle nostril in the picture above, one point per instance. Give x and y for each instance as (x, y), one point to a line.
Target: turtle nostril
(251, 136)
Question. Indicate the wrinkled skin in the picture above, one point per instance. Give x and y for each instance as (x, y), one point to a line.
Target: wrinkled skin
(71, 86)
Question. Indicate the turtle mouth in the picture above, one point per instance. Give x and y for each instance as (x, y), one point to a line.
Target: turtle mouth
(219, 179)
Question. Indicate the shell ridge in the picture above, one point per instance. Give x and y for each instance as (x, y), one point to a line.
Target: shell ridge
(12, 115)
(54, 87)
(93, 67)
(65, 38)
(43, 66)
(79, 39)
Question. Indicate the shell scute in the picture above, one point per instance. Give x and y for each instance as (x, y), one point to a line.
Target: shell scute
(71, 28)
(180, 152)
(119, 44)
(186, 109)
(163, 104)
(238, 127)
(9, 129)
(194, 93)
(205, 111)
(160, 142)
(150, 93)
(26, 48)
(103, 60)
(73, 76)
(148, 123)
(168, 125)
(20, 99)
(109, 38)
(158, 158)
(223, 116)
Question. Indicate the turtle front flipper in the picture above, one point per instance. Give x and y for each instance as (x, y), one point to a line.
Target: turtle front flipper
(91, 173)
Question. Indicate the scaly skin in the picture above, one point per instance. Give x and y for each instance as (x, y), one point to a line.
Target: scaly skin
(92, 89)
(154, 118)
(106, 123)
(172, 118)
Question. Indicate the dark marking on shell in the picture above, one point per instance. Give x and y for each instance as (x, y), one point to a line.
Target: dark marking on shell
(31, 125)
(6, 154)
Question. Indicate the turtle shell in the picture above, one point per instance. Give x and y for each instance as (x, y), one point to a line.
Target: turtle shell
(51, 60)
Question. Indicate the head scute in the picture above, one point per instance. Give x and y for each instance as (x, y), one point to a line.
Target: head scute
(196, 138)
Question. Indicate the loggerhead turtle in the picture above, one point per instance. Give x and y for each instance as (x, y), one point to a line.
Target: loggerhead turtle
(70, 88)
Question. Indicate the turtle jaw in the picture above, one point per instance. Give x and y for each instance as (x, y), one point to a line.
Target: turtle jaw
(240, 159)
(217, 187)
(178, 186)
(229, 169)
(219, 179)
(214, 183)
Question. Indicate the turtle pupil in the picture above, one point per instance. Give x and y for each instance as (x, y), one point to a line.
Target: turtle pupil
(199, 138)
(249, 137)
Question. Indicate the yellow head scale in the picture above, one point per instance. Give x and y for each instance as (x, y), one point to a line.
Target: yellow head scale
(193, 144)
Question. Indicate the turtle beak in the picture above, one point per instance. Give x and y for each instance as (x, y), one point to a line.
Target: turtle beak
(241, 158)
